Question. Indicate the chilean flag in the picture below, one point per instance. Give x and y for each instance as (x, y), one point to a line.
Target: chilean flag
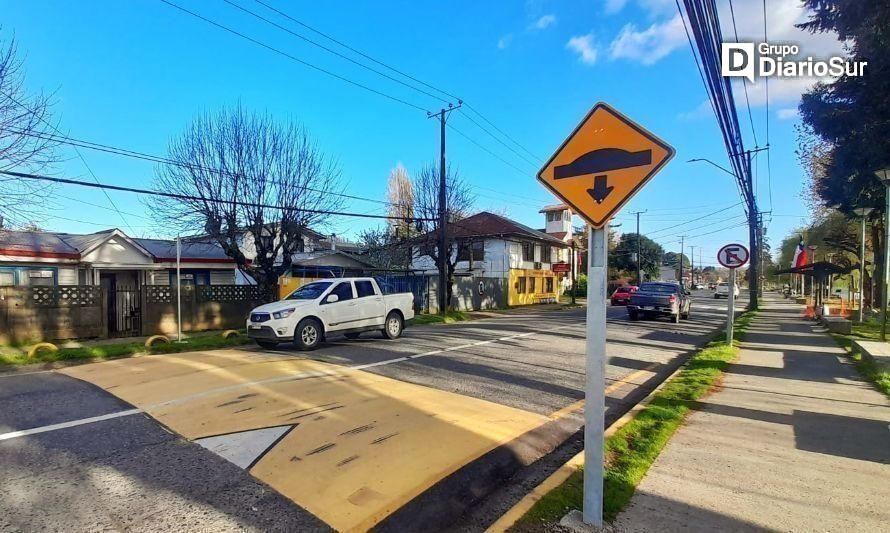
(800, 255)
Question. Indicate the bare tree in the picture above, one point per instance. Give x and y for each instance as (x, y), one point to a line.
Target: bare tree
(257, 181)
(25, 141)
(400, 195)
(459, 199)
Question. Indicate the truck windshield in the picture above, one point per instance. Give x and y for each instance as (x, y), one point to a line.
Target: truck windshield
(666, 288)
(310, 291)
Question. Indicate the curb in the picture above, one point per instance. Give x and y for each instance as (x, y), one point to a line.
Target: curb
(557, 478)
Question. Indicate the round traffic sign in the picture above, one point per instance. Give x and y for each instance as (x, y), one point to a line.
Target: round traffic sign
(732, 255)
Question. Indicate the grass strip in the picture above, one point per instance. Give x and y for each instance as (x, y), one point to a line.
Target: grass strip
(633, 448)
(450, 317)
(866, 367)
(107, 351)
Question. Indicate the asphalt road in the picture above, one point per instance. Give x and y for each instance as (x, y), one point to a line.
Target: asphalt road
(131, 472)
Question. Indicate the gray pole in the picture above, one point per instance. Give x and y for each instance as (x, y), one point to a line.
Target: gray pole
(886, 261)
(681, 260)
(730, 308)
(862, 274)
(639, 251)
(443, 253)
(574, 267)
(178, 291)
(692, 265)
(595, 385)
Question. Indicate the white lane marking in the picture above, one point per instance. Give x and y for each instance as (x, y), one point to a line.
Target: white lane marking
(287, 377)
(64, 425)
(345, 369)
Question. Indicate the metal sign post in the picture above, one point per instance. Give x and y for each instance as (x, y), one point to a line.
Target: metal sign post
(730, 308)
(731, 256)
(596, 171)
(595, 384)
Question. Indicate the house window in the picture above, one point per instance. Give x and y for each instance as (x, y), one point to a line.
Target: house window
(522, 285)
(531, 285)
(549, 284)
(547, 254)
(528, 251)
(267, 242)
(7, 278)
(474, 249)
(82, 276)
(40, 278)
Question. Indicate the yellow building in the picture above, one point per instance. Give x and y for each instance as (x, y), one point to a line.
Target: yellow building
(530, 286)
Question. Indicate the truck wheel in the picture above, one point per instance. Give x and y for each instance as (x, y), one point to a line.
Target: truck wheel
(268, 345)
(392, 327)
(308, 334)
(685, 316)
(716, 297)
(351, 336)
(632, 315)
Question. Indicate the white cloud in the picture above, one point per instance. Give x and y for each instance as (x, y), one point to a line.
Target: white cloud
(505, 41)
(703, 110)
(614, 6)
(658, 8)
(583, 45)
(544, 22)
(649, 45)
(787, 113)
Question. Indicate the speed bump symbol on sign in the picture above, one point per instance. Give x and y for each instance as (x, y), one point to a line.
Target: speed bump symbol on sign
(603, 163)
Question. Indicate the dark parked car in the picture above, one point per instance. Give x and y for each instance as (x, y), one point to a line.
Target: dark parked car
(622, 294)
(659, 299)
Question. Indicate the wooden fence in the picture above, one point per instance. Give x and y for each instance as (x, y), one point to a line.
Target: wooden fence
(79, 311)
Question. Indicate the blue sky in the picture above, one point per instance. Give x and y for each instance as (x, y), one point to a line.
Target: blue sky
(133, 74)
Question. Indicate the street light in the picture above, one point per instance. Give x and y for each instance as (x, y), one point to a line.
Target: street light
(862, 212)
(884, 176)
(812, 249)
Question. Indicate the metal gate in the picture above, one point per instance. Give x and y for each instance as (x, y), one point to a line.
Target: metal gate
(124, 311)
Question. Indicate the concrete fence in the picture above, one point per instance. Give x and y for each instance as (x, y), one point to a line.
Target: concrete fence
(68, 312)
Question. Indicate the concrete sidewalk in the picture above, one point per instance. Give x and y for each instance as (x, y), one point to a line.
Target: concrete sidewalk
(794, 440)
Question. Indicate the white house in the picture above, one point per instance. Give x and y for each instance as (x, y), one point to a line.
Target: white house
(513, 261)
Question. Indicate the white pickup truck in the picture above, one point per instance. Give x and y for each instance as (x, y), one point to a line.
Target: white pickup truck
(318, 309)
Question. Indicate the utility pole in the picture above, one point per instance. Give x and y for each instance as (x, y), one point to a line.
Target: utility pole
(682, 238)
(639, 249)
(692, 266)
(443, 209)
(573, 267)
(753, 231)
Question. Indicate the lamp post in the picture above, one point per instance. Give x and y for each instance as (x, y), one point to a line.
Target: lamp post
(812, 249)
(862, 212)
(884, 176)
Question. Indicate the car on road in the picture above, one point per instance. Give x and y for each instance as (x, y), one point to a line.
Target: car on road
(659, 299)
(622, 294)
(722, 290)
(347, 306)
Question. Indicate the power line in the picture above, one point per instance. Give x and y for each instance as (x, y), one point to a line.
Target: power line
(769, 170)
(292, 57)
(698, 218)
(482, 147)
(507, 146)
(401, 73)
(334, 52)
(188, 197)
(76, 151)
(354, 50)
(744, 85)
(164, 160)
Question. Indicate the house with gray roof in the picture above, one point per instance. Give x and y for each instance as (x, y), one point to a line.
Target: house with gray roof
(108, 258)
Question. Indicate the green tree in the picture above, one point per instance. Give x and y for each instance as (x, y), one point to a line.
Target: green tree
(623, 256)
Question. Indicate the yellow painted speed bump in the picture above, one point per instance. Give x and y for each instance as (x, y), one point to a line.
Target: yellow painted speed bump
(154, 339)
(362, 445)
(42, 347)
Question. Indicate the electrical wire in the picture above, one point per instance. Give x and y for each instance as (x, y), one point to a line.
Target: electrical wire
(292, 57)
(189, 197)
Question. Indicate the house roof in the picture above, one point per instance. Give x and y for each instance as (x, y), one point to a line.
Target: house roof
(36, 244)
(166, 250)
(487, 224)
(73, 246)
(554, 207)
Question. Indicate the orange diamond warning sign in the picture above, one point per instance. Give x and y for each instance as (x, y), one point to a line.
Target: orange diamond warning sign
(603, 163)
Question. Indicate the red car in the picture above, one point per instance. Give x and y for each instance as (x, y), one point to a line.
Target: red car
(622, 294)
